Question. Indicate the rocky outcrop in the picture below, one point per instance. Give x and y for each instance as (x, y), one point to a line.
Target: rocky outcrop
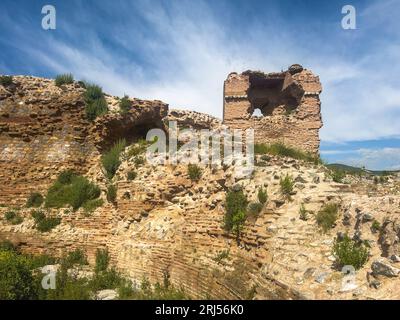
(192, 119)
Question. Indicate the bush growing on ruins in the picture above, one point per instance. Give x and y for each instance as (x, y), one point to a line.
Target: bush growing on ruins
(96, 108)
(35, 200)
(71, 189)
(327, 216)
(125, 104)
(96, 104)
(111, 193)
(194, 172)
(255, 208)
(6, 80)
(90, 205)
(303, 213)
(286, 185)
(262, 195)
(131, 175)
(349, 252)
(139, 160)
(75, 257)
(66, 78)
(13, 217)
(279, 149)
(337, 175)
(235, 214)
(102, 260)
(47, 224)
(111, 159)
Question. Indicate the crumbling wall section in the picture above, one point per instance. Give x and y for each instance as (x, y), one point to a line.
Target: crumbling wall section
(288, 101)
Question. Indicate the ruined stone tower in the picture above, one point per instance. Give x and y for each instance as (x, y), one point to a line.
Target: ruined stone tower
(288, 106)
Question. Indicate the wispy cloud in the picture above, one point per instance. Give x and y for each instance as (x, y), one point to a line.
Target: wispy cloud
(181, 51)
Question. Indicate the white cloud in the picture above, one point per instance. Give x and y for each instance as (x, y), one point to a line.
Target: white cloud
(189, 52)
(374, 159)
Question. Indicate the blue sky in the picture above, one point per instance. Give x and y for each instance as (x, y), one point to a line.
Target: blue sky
(181, 51)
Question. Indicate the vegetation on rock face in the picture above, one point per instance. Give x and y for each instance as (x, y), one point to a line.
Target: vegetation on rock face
(286, 185)
(96, 104)
(66, 78)
(111, 159)
(43, 223)
(303, 213)
(262, 195)
(6, 80)
(337, 175)
(71, 189)
(131, 175)
(349, 252)
(13, 217)
(327, 216)
(76, 257)
(90, 205)
(255, 208)
(235, 214)
(125, 104)
(102, 260)
(194, 172)
(279, 149)
(35, 200)
(111, 193)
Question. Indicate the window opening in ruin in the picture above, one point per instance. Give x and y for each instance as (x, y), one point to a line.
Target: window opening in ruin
(257, 113)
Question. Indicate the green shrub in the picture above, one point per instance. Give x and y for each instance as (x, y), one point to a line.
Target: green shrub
(7, 245)
(255, 208)
(327, 216)
(111, 159)
(66, 78)
(235, 206)
(96, 109)
(349, 252)
(303, 213)
(139, 160)
(337, 175)
(376, 226)
(102, 260)
(16, 280)
(6, 80)
(262, 195)
(71, 189)
(90, 205)
(221, 256)
(106, 279)
(111, 193)
(194, 172)
(65, 177)
(125, 104)
(138, 148)
(13, 217)
(43, 223)
(93, 92)
(35, 200)
(75, 257)
(38, 215)
(47, 224)
(279, 149)
(286, 185)
(131, 175)
(96, 104)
